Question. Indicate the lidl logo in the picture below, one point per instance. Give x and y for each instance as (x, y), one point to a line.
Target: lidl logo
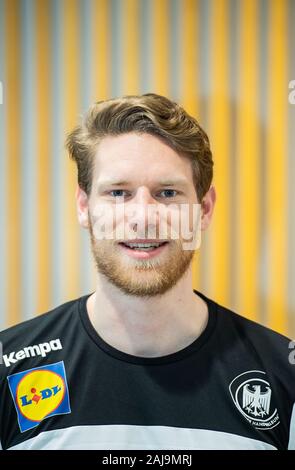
(39, 393)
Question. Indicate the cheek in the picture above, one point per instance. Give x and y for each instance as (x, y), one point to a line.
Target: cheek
(102, 220)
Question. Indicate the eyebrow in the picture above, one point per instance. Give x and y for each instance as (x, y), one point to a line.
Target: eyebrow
(173, 182)
(166, 182)
(107, 183)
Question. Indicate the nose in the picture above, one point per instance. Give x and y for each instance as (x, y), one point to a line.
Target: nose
(143, 216)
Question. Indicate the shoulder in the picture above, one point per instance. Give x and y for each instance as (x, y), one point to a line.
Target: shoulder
(233, 324)
(250, 330)
(35, 338)
(249, 342)
(246, 343)
(36, 325)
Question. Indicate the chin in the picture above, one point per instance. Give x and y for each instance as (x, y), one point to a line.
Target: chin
(144, 292)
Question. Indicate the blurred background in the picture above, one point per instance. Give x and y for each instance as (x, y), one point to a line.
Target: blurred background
(228, 62)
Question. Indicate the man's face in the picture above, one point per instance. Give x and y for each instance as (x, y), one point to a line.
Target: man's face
(139, 174)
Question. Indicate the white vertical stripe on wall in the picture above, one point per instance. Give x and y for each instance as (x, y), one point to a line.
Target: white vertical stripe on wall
(3, 188)
(27, 192)
(87, 97)
(58, 164)
(291, 172)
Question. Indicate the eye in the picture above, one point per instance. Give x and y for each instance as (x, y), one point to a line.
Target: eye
(117, 191)
(169, 192)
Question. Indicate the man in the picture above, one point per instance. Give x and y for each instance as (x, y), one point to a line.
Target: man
(144, 362)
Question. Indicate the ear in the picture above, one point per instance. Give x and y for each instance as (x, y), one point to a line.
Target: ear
(208, 203)
(82, 207)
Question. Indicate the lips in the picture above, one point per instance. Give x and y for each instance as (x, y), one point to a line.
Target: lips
(147, 246)
(143, 249)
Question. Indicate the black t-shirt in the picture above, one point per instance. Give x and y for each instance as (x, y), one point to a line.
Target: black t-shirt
(63, 387)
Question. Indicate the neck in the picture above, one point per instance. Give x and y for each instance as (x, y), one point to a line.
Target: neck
(150, 327)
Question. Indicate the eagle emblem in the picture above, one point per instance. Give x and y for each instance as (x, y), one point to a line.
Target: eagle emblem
(255, 401)
(252, 394)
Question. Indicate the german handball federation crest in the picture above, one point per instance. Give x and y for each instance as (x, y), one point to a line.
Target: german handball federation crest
(252, 394)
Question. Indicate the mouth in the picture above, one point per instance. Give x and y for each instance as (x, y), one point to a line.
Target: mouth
(143, 249)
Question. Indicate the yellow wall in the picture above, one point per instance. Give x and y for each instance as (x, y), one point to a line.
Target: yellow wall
(228, 62)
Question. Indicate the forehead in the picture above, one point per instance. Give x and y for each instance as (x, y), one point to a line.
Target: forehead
(139, 155)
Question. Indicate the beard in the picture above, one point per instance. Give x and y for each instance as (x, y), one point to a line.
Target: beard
(140, 277)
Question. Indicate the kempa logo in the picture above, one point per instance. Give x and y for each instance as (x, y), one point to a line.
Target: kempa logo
(41, 349)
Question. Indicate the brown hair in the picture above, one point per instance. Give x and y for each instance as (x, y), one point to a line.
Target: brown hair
(148, 113)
